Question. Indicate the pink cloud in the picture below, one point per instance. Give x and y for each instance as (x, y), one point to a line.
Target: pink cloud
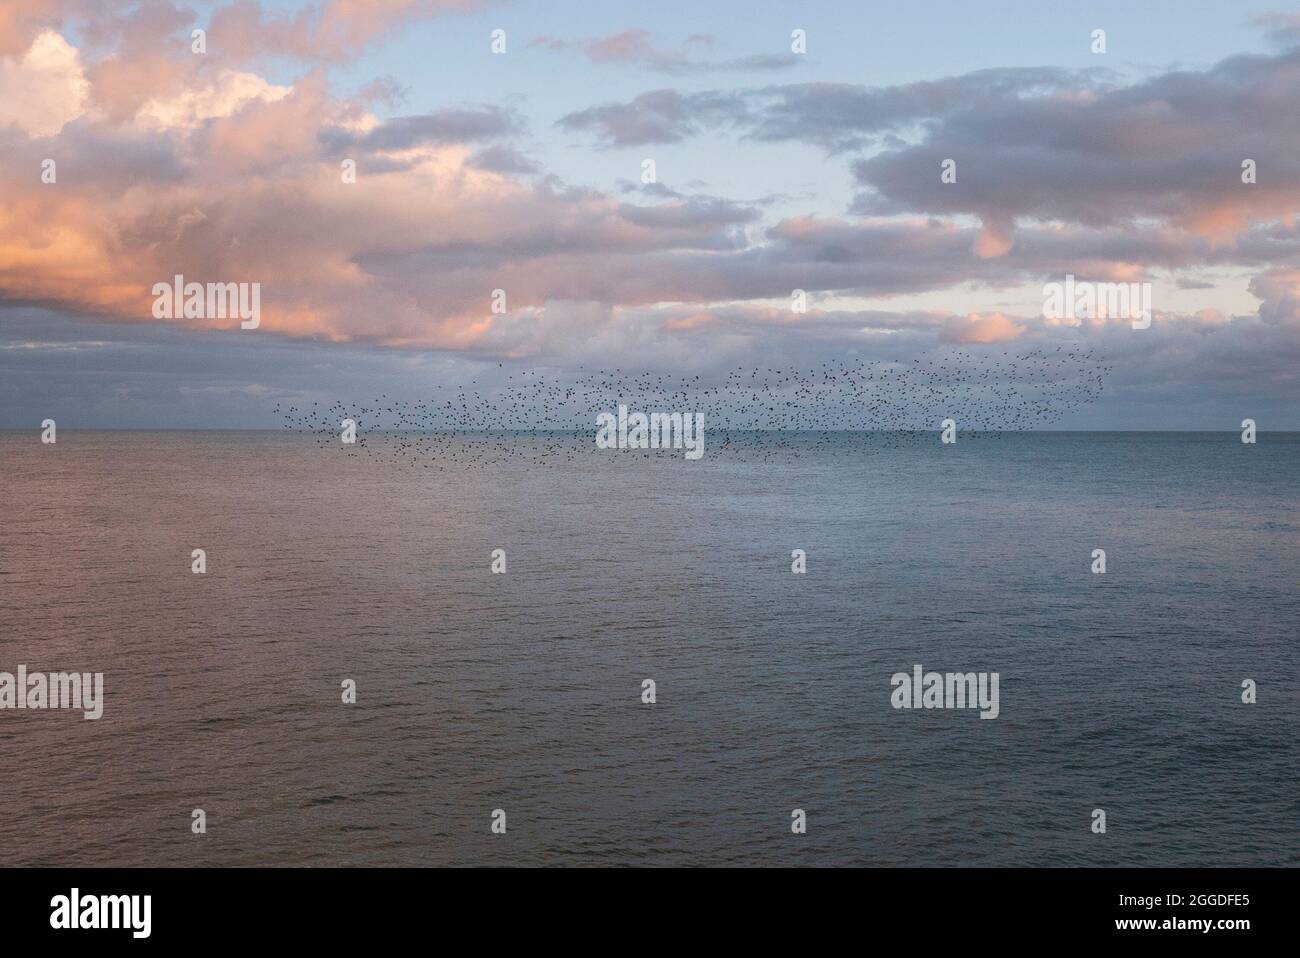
(976, 328)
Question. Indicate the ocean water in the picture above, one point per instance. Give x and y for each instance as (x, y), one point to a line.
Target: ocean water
(522, 691)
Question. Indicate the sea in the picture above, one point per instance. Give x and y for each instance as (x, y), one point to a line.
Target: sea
(519, 697)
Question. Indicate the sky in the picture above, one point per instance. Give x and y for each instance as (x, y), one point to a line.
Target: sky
(524, 171)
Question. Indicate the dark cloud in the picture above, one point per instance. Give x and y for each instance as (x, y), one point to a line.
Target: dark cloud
(661, 116)
(504, 159)
(841, 116)
(1058, 172)
(1040, 143)
(88, 374)
(441, 127)
(1169, 148)
(696, 211)
(834, 116)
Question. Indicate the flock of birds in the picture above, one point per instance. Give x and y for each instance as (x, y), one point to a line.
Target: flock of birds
(752, 413)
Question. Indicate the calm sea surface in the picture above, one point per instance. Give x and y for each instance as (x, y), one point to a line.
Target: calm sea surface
(522, 691)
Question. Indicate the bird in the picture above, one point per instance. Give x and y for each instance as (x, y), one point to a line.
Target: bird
(766, 413)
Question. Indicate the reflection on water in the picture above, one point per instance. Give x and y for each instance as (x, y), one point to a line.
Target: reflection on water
(522, 691)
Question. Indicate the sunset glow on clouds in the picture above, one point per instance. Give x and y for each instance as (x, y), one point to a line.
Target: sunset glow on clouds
(225, 167)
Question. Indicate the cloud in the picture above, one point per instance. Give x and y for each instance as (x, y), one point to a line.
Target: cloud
(660, 116)
(21, 23)
(440, 127)
(1279, 292)
(504, 159)
(335, 31)
(835, 116)
(142, 50)
(976, 328)
(1282, 29)
(232, 179)
(1029, 143)
(223, 96)
(45, 88)
(138, 375)
(170, 164)
(1170, 149)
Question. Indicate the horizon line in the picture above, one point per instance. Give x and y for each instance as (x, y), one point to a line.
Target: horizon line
(581, 430)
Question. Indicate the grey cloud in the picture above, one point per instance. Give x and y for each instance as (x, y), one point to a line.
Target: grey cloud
(834, 116)
(1169, 148)
(1041, 142)
(504, 159)
(661, 116)
(96, 157)
(441, 127)
(842, 116)
(1282, 29)
(656, 189)
(86, 374)
(695, 212)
